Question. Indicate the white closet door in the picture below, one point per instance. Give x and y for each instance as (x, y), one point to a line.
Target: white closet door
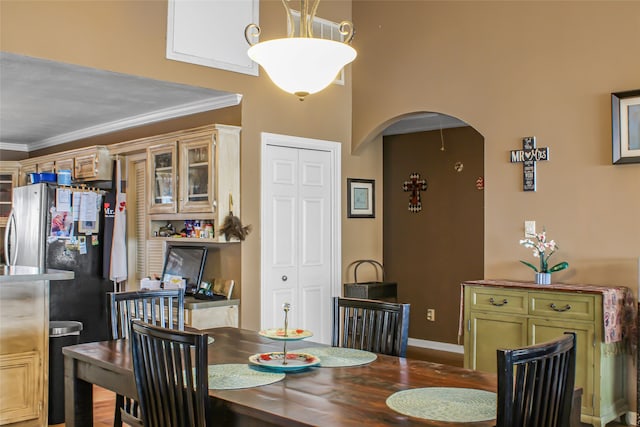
(297, 231)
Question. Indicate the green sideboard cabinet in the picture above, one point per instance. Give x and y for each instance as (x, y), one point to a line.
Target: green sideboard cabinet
(505, 314)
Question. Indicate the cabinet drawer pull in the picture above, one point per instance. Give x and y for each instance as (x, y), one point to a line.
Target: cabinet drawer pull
(555, 308)
(498, 304)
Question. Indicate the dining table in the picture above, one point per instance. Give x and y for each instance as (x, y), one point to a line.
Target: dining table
(331, 396)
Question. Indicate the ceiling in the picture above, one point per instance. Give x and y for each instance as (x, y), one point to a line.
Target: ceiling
(45, 103)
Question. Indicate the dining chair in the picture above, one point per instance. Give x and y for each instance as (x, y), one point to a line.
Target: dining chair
(170, 369)
(152, 306)
(535, 384)
(372, 325)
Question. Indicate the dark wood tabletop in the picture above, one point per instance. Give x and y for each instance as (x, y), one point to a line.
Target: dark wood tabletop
(345, 396)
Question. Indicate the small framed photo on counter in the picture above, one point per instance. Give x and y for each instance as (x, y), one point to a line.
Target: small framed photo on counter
(361, 198)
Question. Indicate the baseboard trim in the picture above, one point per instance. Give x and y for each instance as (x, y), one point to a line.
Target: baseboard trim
(436, 345)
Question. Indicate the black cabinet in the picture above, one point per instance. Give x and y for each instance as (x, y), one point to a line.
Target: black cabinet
(386, 291)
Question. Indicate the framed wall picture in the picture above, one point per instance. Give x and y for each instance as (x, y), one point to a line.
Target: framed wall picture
(625, 126)
(361, 198)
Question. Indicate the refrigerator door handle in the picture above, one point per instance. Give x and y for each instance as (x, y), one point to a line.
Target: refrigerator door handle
(11, 225)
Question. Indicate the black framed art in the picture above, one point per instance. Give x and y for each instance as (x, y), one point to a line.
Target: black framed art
(361, 198)
(625, 126)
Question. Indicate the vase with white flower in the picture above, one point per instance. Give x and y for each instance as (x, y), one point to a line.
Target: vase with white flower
(543, 248)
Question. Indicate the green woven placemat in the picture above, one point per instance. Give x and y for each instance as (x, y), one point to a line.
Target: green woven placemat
(236, 375)
(333, 357)
(445, 404)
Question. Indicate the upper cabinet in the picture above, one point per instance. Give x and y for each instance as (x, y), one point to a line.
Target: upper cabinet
(92, 164)
(85, 164)
(8, 180)
(197, 172)
(163, 176)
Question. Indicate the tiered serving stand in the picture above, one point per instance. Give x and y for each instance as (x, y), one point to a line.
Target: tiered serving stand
(285, 361)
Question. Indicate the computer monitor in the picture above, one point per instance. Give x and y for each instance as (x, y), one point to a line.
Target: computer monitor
(186, 262)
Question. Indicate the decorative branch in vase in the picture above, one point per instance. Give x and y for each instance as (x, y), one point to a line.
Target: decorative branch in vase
(543, 248)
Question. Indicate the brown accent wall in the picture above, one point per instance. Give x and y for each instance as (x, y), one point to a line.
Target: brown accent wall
(430, 252)
(8, 155)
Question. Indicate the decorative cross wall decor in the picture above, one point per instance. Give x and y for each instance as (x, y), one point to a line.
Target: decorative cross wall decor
(415, 185)
(528, 156)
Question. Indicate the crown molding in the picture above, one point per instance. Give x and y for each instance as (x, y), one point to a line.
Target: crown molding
(215, 103)
(12, 146)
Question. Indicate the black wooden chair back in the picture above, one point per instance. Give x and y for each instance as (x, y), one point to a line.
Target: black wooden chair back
(535, 384)
(170, 369)
(372, 325)
(152, 306)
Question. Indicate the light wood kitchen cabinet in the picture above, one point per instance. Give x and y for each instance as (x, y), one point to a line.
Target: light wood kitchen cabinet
(47, 166)
(202, 314)
(197, 183)
(500, 314)
(25, 170)
(8, 180)
(184, 182)
(86, 164)
(66, 165)
(163, 174)
(194, 175)
(24, 345)
(93, 164)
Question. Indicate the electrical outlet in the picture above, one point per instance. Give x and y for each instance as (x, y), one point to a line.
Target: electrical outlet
(529, 228)
(431, 314)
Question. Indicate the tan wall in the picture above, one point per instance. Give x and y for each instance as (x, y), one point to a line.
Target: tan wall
(510, 70)
(129, 37)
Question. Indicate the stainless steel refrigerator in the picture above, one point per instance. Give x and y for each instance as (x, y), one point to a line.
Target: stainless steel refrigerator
(32, 239)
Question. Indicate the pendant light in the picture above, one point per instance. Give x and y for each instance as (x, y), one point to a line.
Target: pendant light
(302, 64)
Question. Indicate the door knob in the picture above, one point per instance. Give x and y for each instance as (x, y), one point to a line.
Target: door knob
(284, 278)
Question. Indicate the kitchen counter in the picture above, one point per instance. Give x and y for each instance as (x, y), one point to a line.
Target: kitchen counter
(24, 344)
(193, 303)
(203, 314)
(20, 273)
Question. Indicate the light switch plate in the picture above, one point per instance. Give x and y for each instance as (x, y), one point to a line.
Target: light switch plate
(529, 228)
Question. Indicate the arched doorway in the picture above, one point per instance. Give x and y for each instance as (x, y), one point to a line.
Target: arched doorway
(433, 219)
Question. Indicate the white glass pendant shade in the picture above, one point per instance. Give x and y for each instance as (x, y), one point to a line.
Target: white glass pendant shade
(302, 65)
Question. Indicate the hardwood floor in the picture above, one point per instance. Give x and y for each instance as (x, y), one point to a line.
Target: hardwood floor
(103, 406)
(104, 400)
(444, 357)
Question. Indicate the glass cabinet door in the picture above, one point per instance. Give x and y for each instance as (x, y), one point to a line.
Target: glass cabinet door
(162, 178)
(195, 176)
